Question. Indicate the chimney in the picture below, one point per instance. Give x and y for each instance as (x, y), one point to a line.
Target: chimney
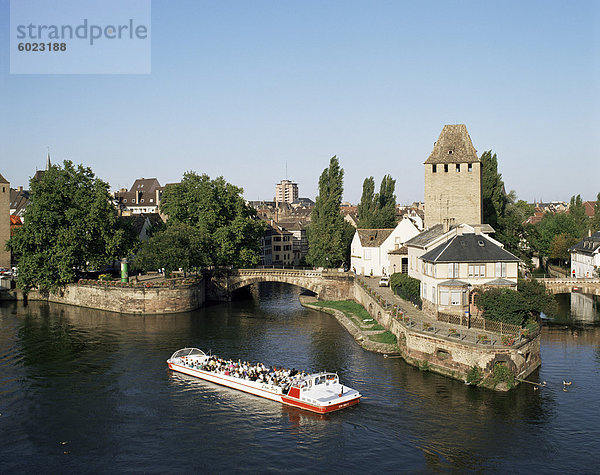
(459, 231)
(20, 187)
(477, 228)
(446, 225)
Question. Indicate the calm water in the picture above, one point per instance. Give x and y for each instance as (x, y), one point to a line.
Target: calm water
(99, 382)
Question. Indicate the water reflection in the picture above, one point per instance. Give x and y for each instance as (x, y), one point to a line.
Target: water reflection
(577, 309)
(99, 381)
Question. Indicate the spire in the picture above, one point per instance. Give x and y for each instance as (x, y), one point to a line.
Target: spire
(48, 164)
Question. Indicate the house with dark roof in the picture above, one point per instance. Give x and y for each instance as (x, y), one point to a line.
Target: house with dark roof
(143, 197)
(585, 257)
(464, 262)
(377, 252)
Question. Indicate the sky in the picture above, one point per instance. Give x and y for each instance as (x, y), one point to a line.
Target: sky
(263, 90)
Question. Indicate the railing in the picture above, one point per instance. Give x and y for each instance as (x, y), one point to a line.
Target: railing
(497, 333)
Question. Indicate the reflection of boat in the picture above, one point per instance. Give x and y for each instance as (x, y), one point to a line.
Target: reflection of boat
(319, 392)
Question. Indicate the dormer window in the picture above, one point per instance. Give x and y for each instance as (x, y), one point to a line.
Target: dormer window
(449, 152)
(481, 243)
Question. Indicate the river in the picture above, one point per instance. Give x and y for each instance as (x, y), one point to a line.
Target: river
(89, 391)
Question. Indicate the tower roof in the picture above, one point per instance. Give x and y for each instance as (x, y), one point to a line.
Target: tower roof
(2, 179)
(453, 146)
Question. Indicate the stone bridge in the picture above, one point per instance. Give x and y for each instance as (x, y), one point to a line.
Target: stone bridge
(328, 284)
(568, 285)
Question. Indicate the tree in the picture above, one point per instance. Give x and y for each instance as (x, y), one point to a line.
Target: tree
(69, 225)
(326, 229)
(366, 207)
(179, 245)
(377, 210)
(347, 236)
(493, 193)
(502, 305)
(595, 221)
(560, 244)
(536, 298)
(512, 231)
(577, 213)
(551, 225)
(223, 229)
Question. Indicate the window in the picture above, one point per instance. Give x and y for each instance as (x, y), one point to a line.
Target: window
(151, 200)
(453, 270)
(458, 167)
(444, 297)
(367, 254)
(125, 200)
(476, 270)
(277, 248)
(276, 257)
(455, 297)
(142, 200)
(500, 269)
(446, 168)
(434, 168)
(470, 167)
(277, 238)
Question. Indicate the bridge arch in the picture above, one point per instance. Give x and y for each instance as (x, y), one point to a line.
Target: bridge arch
(327, 284)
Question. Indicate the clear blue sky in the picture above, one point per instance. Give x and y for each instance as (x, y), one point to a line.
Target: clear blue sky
(239, 88)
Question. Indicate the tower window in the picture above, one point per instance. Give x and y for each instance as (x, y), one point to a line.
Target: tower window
(470, 167)
(434, 168)
(446, 168)
(458, 167)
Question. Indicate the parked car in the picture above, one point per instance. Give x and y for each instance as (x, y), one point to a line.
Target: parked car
(384, 281)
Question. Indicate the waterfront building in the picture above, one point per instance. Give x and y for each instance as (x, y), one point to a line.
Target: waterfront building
(379, 252)
(585, 257)
(5, 256)
(463, 262)
(453, 180)
(286, 192)
(143, 197)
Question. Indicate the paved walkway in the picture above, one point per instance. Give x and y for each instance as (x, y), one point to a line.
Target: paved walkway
(420, 319)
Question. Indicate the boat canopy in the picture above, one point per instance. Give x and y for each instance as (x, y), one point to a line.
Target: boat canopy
(188, 352)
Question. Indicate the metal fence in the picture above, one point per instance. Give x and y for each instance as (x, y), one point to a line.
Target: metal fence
(479, 323)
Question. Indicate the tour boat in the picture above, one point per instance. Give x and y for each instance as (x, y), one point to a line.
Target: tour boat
(318, 392)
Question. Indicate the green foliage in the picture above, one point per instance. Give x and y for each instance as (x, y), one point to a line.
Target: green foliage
(515, 307)
(595, 221)
(347, 236)
(378, 211)
(179, 245)
(209, 224)
(70, 224)
(104, 277)
(502, 305)
(386, 337)
(551, 225)
(560, 244)
(474, 375)
(326, 247)
(536, 298)
(511, 230)
(502, 375)
(493, 193)
(577, 214)
(406, 287)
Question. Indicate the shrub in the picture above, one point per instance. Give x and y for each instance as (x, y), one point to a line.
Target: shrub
(406, 287)
(474, 375)
(501, 374)
(104, 277)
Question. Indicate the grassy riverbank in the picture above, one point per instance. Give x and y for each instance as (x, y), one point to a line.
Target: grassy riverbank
(361, 318)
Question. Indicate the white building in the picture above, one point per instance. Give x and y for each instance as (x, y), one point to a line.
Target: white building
(286, 191)
(585, 257)
(372, 250)
(453, 265)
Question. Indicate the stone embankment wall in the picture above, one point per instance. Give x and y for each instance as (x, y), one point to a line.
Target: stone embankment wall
(148, 301)
(449, 356)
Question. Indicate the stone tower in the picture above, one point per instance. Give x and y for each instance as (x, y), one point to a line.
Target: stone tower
(453, 180)
(4, 221)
